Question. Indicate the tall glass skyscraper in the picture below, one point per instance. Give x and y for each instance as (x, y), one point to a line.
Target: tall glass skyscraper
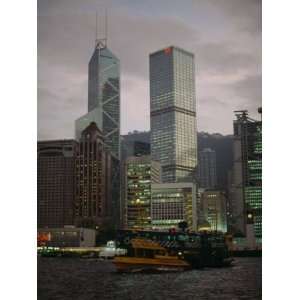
(246, 186)
(173, 113)
(103, 97)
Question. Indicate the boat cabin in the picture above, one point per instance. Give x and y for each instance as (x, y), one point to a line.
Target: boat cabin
(146, 248)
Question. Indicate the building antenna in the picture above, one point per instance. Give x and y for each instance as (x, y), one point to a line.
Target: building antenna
(105, 26)
(101, 42)
(96, 27)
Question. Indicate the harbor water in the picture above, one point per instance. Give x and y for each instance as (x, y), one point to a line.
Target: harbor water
(87, 279)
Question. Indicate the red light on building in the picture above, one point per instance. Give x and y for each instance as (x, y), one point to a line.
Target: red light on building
(168, 50)
(43, 237)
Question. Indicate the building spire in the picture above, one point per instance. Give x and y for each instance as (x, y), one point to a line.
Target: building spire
(96, 26)
(101, 42)
(105, 26)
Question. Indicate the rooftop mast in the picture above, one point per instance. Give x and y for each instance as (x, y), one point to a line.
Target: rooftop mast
(105, 26)
(96, 38)
(101, 42)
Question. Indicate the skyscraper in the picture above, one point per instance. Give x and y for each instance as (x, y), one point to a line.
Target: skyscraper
(173, 113)
(55, 182)
(103, 96)
(93, 197)
(246, 186)
(207, 168)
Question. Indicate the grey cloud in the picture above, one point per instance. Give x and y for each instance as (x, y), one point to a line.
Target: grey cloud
(135, 104)
(249, 88)
(213, 101)
(211, 113)
(73, 37)
(59, 106)
(224, 35)
(246, 15)
(222, 58)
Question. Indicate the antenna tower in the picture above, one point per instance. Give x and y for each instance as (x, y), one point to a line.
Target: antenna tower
(101, 42)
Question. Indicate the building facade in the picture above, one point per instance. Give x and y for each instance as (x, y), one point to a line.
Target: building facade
(140, 173)
(93, 197)
(66, 237)
(213, 208)
(135, 148)
(246, 182)
(103, 97)
(207, 169)
(141, 148)
(131, 148)
(55, 182)
(172, 203)
(173, 113)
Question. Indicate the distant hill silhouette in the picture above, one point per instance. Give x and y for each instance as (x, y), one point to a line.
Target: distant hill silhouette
(222, 144)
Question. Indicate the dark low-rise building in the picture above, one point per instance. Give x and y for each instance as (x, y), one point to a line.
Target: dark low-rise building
(66, 237)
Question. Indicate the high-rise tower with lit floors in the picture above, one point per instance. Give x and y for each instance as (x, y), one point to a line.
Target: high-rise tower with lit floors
(246, 185)
(173, 113)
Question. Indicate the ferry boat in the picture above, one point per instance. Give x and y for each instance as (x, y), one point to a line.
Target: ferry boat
(198, 249)
(147, 255)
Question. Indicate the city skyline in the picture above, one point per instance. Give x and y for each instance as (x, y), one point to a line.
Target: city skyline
(168, 70)
(225, 37)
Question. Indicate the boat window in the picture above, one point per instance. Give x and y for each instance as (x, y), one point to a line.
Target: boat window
(182, 237)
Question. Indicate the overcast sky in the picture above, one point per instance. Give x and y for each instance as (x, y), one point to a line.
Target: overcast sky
(224, 35)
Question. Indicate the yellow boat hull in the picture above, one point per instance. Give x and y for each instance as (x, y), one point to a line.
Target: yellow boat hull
(163, 263)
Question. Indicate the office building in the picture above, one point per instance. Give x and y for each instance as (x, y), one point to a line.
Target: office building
(129, 148)
(141, 148)
(223, 147)
(103, 97)
(93, 197)
(221, 144)
(207, 169)
(173, 113)
(172, 203)
(140, 173)
(135, 148)
(200, 215)
(55, 182)
(116, 191)
(213, 209)
(246, 180)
